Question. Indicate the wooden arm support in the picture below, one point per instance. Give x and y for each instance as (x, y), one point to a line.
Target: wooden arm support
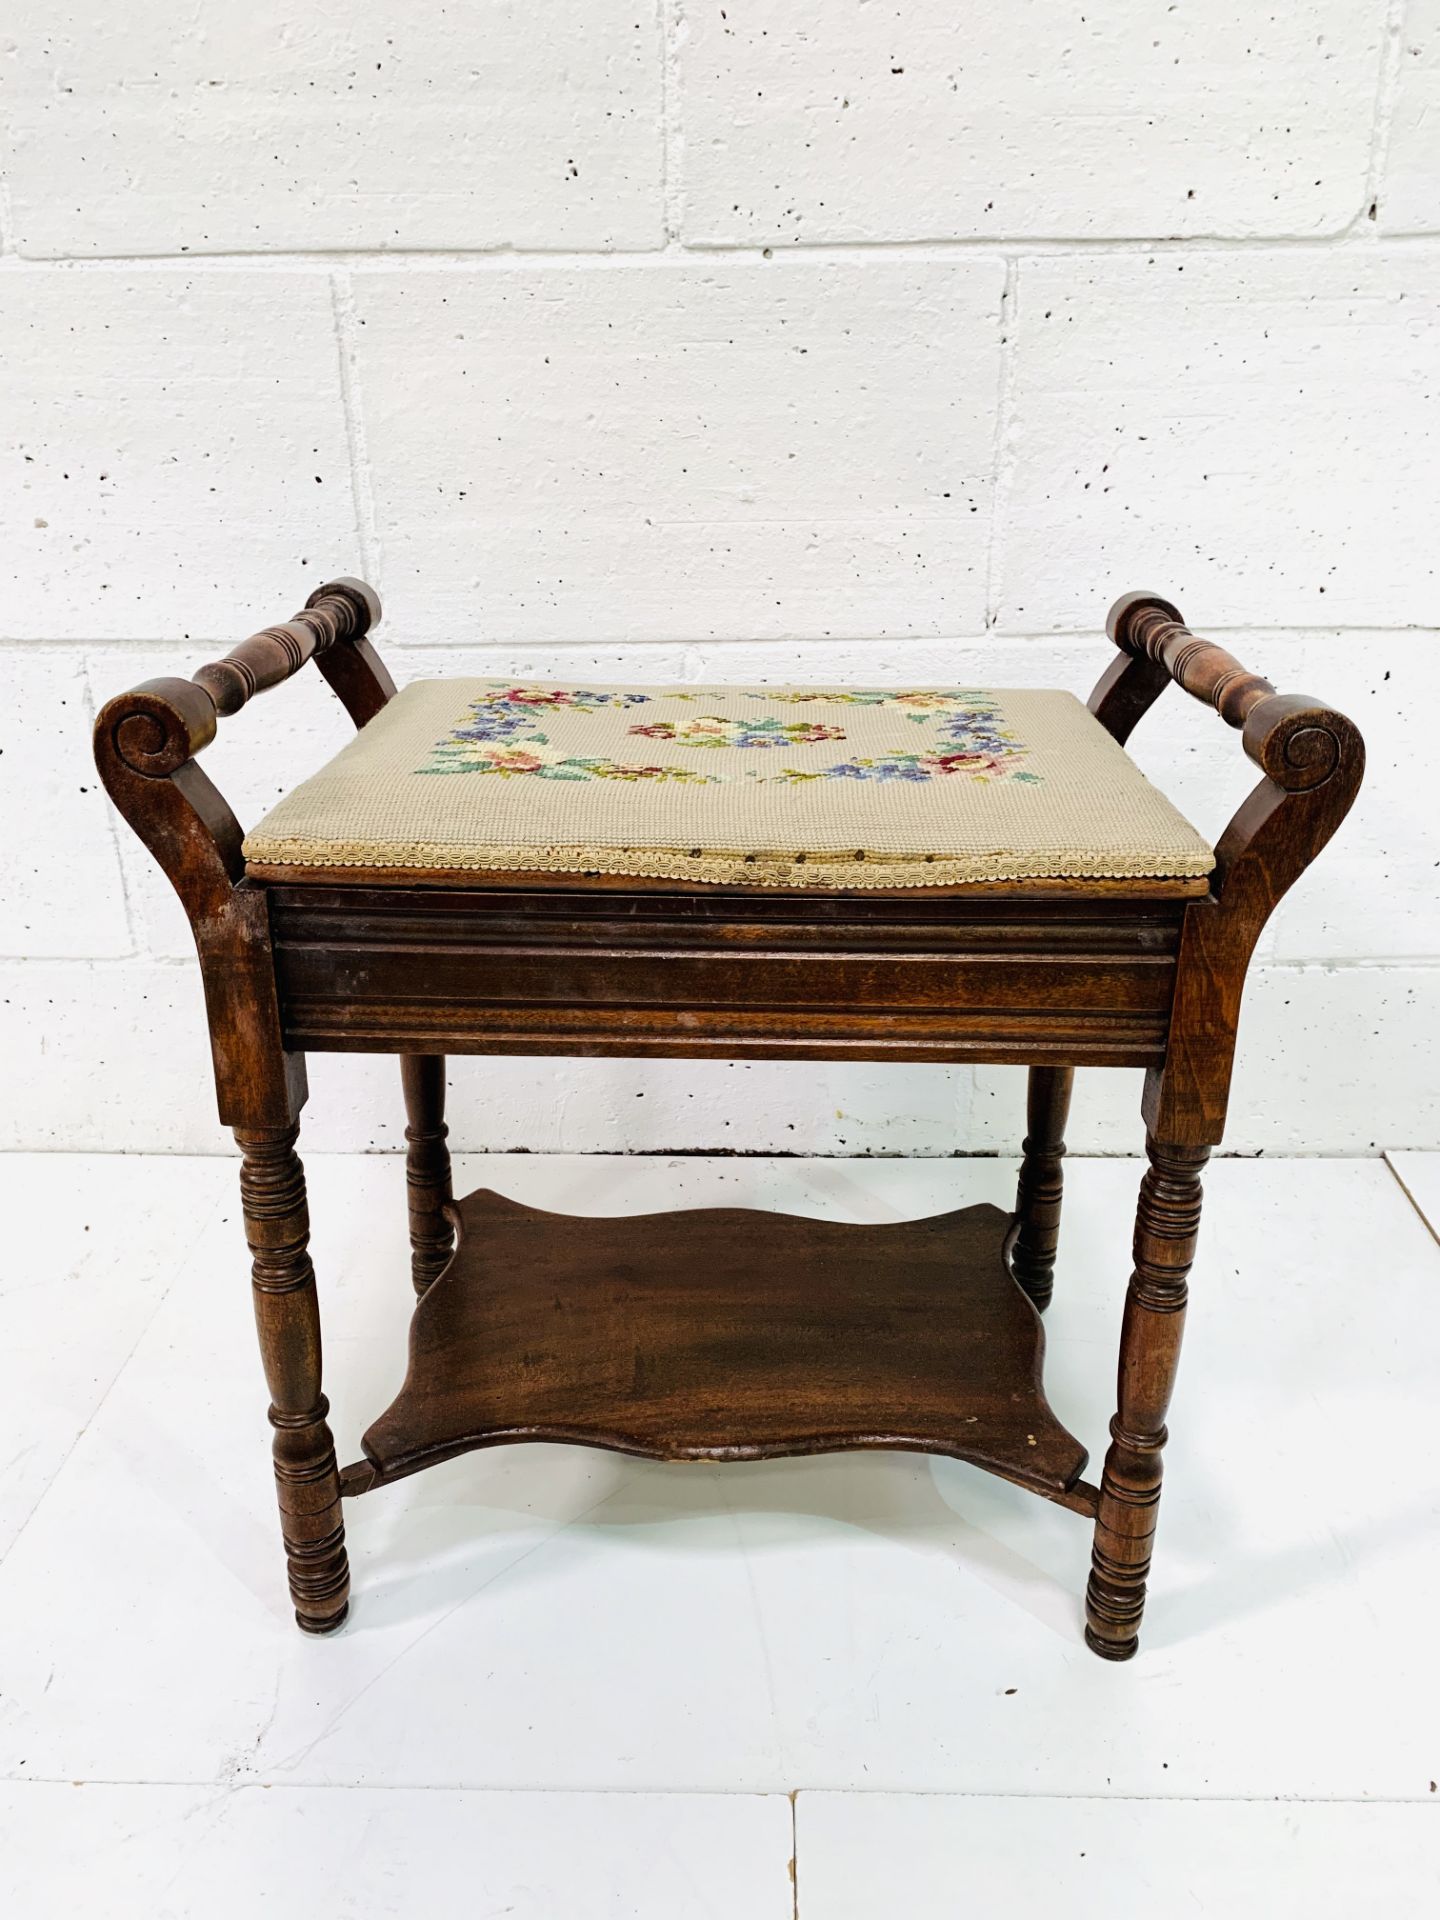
(155, 730)
(145, 747)
(1144, 625)
(1298, 742)
(340, 610)
(1312, 759)
(156, 727)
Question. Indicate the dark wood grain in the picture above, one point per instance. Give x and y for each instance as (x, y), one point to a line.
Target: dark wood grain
(1166, 1226)
(727, 1335)
(145, 746)
(1041, 1186)
(1151, 629)
(427, 1166)
(287, 1318)
(340, 610)
(1313, 760)
(724, 974)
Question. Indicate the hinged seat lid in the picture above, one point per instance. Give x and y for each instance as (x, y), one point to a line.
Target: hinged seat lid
(760, 786)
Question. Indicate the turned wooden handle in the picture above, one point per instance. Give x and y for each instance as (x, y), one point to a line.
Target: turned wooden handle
(155, 730)
(340, 610)
(1146, 625)
(1301, 743)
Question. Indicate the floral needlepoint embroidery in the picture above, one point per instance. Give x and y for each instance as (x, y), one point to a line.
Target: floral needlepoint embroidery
(910, 766)
(916, 704)
(829, 788)
(510, 761)
(972, 741)
(713, 730)
(551, 733)
(514, 713)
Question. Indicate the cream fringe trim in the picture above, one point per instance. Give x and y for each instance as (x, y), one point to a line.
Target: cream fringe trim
(849, 871)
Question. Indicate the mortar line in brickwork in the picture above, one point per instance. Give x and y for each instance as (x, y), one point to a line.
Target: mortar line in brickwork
(1355, 238)
(1350, 237)
(1387, 88)
(1002, 466)
(342, 299)
(1076, 637)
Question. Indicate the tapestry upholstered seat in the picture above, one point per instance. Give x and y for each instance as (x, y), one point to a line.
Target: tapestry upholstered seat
(828, 787)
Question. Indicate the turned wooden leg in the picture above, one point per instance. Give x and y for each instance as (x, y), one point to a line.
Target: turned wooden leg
(427, 1166)
(1041, 1185)
(1167, 1223)
(287, 1315)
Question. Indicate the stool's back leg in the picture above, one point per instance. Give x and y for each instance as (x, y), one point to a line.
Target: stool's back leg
(1041, 1185)
(287, 1316)
(1167, 1224)
(427, 1166)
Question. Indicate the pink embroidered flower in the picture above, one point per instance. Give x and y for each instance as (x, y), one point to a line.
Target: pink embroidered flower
(965, 763)
(536, 697)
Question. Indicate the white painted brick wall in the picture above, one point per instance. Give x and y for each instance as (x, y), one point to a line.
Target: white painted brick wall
(217, 128)
(1247, 414)
(698, 342)
(1412, 196)
(683, 446)
(175, 445)
(810, 121)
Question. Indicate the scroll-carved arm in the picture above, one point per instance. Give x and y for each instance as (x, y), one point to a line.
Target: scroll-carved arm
(145, 747)
(1312, 759)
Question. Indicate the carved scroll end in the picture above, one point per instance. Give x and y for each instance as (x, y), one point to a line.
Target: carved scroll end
(155, 728)
(1301, 744)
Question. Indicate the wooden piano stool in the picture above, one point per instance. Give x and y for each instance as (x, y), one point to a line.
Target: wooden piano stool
(948, 874)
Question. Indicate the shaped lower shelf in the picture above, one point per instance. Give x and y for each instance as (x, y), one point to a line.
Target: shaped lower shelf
(721, 1334)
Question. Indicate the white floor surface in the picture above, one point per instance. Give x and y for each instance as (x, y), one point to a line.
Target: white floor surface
(575, 1685)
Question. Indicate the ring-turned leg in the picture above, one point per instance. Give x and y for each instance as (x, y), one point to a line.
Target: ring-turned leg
(287, 1316)
(1041, 1184)
(1167, 1223)
(427, 1166)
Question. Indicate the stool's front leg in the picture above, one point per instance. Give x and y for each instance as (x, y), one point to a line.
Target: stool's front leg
(1312, 759)
(145, 747)
(427, 1166)
(287, 1316)
(1041, 1184)
(1167, 1224)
